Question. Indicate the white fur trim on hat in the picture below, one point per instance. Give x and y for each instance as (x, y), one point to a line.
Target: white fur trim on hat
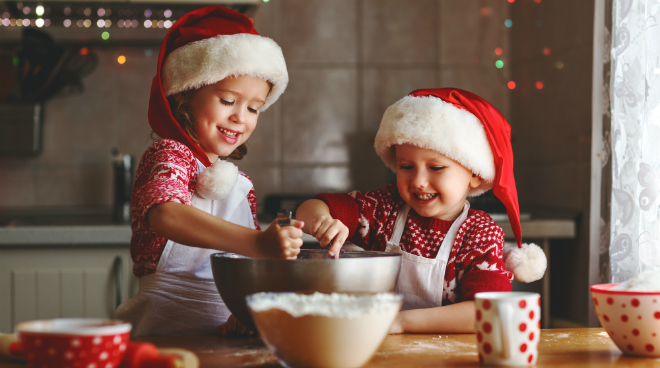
(217, 181)
(527, 263)
(208, 61)
(431, 123)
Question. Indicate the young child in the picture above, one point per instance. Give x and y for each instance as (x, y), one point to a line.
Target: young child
(215, 75)
(444, 145)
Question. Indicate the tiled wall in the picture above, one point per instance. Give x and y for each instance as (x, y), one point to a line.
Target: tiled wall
(552, 132)
(348, 61)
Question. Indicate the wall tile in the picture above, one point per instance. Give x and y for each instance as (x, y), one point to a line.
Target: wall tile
(488, 83)
(17, 182)
(70, 185)
(319, 31)
(79, 129)
(266, 180)
(399, 32)
(313, 180)
(131, 102)
(319, 111)
(381, 87)
(471, 30)
(268, 19)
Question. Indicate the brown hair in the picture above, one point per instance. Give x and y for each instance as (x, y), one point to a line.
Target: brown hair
(180, 106)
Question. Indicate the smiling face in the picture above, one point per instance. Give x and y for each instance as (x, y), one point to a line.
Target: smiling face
(431, 183)
(225, 113)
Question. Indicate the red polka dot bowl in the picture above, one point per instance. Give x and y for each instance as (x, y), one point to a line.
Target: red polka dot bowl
(73, 342)
(631, 318)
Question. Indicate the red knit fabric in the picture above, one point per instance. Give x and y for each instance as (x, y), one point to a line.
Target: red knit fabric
(475, 262)
(167, 173)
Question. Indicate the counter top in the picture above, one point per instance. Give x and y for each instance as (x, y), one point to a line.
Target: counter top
(575, 347)
(557, 348)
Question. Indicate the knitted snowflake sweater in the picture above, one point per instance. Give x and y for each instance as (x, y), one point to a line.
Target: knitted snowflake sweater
(167, 173)
(475, 262)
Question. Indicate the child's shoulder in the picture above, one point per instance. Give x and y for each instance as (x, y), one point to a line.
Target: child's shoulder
(169, 147)
(481, 220)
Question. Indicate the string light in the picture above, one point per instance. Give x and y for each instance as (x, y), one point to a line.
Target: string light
(39, 10)
(484, 11)
(539, 85)
(546, 51)
(508, 23)
(121, 59)
(498, 51)
(105, 35)
(499, 64)
(511, 84)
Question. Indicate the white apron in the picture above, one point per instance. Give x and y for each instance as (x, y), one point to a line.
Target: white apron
(421, 279)
(181, 298)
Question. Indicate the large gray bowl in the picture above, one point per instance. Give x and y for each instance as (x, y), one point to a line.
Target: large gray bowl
(354, 272)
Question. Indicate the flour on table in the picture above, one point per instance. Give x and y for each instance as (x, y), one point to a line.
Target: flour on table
(329, 305)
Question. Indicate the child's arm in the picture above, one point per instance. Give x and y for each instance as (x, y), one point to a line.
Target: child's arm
(454, 318)
(319, 223)
(190, 226)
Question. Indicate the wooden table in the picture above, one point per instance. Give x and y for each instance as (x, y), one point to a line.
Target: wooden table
(574, 347)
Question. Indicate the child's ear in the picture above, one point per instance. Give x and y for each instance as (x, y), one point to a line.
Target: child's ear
(476, 181)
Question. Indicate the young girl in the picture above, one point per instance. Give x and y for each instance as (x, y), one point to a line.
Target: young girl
(444, 145)
(215, 75)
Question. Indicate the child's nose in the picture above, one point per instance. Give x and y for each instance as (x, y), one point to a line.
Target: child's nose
(238, 116)
(420, 180)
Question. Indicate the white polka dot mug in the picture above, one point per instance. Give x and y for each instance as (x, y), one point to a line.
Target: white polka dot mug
(631, 318)
(508, 326)
(73, 342)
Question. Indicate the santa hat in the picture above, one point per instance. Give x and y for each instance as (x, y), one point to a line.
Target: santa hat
(203, 47)
(469, 130)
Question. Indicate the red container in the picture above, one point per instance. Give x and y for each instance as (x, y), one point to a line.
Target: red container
(73, 342)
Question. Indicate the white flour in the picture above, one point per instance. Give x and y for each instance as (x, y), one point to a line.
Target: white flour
(329, 305)
(648, 281)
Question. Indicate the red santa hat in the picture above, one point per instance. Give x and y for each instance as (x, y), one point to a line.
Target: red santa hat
(469, 130)
(203, 47)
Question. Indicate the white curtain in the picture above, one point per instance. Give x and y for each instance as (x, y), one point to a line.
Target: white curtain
(635, 138)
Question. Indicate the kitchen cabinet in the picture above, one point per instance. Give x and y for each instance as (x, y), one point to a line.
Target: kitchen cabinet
(59, 272)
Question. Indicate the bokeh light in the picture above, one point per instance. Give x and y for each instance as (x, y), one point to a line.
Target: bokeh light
(546, 51)
(39, 10)
(105, 35)
(508, 23)
(559, 65)
(539, 85)
(121, 59)
(499, 64)
(484, 11)
(498, 51)
(511, 84)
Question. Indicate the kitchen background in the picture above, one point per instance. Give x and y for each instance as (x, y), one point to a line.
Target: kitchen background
(348, 60)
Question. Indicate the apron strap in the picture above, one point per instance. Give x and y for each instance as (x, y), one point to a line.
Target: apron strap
(400, 224)
(450, 238)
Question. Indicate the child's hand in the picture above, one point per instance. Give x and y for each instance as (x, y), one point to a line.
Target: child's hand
(233, 328)
(329, 231)
(280, 242)
(396, 327)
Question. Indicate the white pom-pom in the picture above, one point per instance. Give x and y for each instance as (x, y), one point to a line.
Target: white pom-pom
(216, 181)
(527, 263)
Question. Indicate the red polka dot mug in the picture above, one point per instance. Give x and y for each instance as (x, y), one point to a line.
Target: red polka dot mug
(508, 326)
(73, 342)
(631, 318)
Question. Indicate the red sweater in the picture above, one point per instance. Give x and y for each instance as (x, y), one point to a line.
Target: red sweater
(167, 173)
(475, 262)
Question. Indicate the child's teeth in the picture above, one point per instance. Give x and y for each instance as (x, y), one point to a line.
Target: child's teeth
(231, 134)
(425, 197)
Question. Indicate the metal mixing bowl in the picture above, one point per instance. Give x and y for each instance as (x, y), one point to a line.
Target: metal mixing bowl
(237, 277)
